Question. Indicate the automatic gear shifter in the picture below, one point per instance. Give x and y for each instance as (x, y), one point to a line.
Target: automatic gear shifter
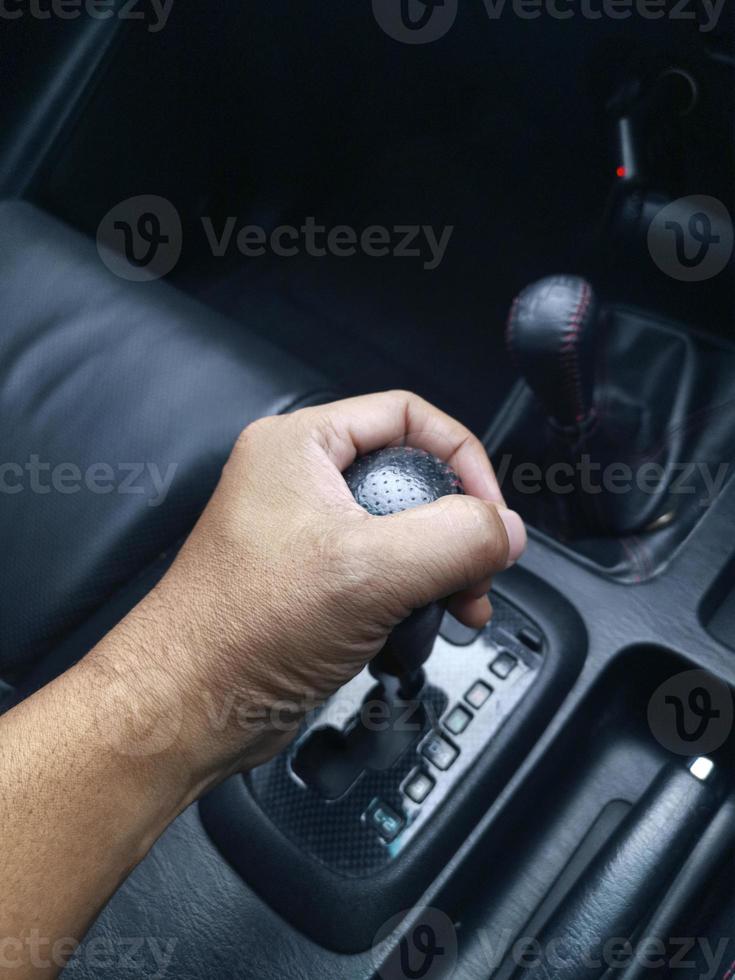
(387, 482)
(385, 780)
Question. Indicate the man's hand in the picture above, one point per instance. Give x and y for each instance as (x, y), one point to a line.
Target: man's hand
(284, 590)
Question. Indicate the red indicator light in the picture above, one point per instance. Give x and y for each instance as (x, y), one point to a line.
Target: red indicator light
(621, 172)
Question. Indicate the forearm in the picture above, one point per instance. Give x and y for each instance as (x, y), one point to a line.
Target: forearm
(83, 796)
(284, 591)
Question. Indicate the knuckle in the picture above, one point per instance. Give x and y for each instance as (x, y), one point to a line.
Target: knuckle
(406, 401)
(488, 544)
(403, 393)
(336, 558)
(330, 430)
(252, 434)
(350, 559)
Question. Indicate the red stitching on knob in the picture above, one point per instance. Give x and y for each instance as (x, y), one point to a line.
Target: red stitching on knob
(570, 353)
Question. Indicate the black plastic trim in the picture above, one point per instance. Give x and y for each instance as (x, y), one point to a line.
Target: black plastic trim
(257, 850)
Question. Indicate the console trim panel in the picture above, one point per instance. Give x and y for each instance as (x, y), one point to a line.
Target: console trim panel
(316, 896)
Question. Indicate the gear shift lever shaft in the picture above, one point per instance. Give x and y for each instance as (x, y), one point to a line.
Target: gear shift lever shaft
(387, 482)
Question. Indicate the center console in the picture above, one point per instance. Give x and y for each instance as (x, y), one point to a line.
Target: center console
(386, 779)
(618, 436)
(577, 753)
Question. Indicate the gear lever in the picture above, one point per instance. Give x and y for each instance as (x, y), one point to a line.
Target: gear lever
(387, 482)
(551, 334)
(596, 425)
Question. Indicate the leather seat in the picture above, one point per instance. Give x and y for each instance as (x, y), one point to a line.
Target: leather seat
(109, 392)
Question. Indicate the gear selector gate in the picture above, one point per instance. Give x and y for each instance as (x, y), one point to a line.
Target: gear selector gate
(386, 777)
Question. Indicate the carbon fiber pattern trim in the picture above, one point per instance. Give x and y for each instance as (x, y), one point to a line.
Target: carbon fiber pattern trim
(335, 832)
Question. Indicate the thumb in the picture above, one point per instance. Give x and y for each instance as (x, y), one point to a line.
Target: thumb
(435, 550)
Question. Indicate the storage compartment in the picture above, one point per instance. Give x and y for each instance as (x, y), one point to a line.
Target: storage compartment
(596, 771)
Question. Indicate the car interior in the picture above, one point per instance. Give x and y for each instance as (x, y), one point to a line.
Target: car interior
(526, 218)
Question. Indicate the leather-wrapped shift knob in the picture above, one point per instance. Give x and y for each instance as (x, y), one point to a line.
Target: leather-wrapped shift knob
(386, 482)
(551, 335)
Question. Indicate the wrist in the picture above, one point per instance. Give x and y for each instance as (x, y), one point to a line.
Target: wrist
(168, 721)
(138, 716)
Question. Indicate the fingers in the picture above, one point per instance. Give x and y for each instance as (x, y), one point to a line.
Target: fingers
(470, 605)
(474, 613)
(453, 545)
(356, 426)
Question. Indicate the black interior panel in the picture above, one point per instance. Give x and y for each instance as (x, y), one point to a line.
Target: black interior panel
(505, 130)
(276, 113)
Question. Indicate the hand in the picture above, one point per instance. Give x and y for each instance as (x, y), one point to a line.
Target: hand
(283, 591)
(286, 587)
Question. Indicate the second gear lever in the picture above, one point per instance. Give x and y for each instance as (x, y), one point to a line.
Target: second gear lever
(609, 405)
(387, 482)
(551, 334)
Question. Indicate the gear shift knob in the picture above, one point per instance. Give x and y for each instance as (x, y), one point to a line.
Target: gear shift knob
(551, 335)
(386, 482)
